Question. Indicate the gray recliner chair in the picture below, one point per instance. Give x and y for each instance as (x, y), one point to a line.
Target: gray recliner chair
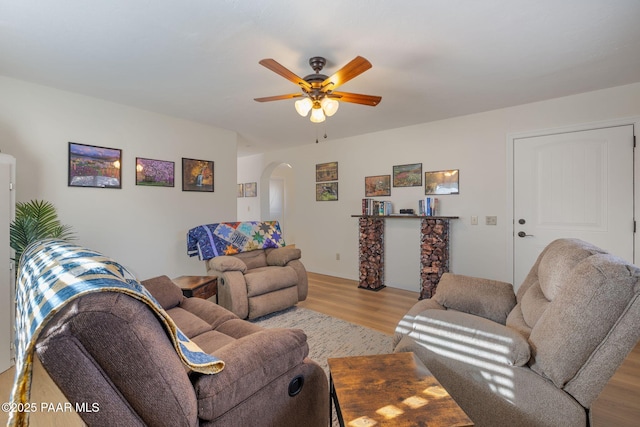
(255, 283)
(536, 358)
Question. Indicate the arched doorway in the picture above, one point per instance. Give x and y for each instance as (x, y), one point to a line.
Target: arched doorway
(276, 195)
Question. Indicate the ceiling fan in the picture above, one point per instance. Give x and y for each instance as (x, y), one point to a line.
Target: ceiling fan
(318, 90)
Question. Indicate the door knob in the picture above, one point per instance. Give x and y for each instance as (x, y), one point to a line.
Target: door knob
(523, 234)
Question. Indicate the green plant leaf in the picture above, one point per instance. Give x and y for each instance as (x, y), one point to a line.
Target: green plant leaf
(36, 220)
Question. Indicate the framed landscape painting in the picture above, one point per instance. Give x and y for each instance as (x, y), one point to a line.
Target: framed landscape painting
(379, 185)
(155, 173)
(92, 166)
(327, 191)
(327, 172)
(197, 175)
(407, 175)
(442, 182)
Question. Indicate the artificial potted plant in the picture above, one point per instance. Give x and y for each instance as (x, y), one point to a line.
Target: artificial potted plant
(36, 220)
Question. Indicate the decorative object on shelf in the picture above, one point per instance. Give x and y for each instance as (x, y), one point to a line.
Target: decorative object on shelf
(93, 166)
(36, 220)
(407, 175)
(197, 175)
(326, 191)
(318, 91)
(240, 190)
(379, 185)
(442, 182)
(155, 173)
(251, 189)
(327, 172)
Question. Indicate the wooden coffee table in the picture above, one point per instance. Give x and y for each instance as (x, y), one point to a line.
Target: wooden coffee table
(390, 390)
(197, 286)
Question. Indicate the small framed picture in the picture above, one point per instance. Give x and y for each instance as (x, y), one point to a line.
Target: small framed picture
(240, 190)
(327, 172)
(155, 173)
(92, 166)
(379, 185)
(442, 182)
(197, 175)
(251, 189)
(326, 191)
(407, 175)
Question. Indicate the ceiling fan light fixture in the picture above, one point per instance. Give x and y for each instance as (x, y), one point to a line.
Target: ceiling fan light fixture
(317, 116)
(330, 106)
(303, 106)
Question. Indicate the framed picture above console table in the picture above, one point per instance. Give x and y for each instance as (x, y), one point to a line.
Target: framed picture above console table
(434, 250)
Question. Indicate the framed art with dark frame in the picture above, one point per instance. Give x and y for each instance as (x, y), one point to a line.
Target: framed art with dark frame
(327, 172)
(442, 182)
(93, 166)
(407, 175)
(326, 192)
(379, 185)
(197, 175)
(155, 173)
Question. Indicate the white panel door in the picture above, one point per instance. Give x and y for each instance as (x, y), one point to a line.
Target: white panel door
(575, 184)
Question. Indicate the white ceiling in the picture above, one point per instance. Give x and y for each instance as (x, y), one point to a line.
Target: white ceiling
(432, 59)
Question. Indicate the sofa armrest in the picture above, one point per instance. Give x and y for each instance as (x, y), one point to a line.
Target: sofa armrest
(282, 256)
(227, 263)
(486, 298)
(251, 363)
(232, 293)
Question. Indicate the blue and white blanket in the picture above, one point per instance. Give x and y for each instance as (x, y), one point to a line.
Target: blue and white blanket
(226, 238)
(53, 273)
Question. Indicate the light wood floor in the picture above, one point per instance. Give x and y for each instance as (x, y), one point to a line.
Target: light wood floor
(618, 405)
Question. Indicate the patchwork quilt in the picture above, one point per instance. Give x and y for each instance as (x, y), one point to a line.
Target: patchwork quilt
(227, 238)
(53, 273)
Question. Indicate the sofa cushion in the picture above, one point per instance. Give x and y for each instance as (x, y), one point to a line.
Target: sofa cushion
(490, 299)
(282, 256)
(464, 336)
(596, 293)
(227, 263)
(560, 258)
(167, 293)
(533, 305)
(190, 324)
(253, 259)
(268, 279)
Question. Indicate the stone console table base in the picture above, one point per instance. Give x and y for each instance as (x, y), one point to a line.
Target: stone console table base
(434, 251)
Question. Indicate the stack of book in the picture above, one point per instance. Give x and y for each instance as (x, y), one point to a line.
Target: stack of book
(428, 206)
(376, 207)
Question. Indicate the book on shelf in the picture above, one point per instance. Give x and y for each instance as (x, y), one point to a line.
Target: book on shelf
(428, 206)
(372, 207)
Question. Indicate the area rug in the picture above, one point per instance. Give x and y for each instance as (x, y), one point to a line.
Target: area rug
(329, 336)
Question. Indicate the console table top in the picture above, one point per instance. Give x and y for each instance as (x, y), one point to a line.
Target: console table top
(405, 216)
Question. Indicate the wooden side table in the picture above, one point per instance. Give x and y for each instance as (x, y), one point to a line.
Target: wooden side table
(197, 286)
(391, 390)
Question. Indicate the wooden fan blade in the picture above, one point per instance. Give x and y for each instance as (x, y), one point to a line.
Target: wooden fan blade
(356, 98)
(357, 66)
(278, 68)
(278, 97)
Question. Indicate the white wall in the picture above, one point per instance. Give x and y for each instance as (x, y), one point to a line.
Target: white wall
(141, 227)
(474, 144)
